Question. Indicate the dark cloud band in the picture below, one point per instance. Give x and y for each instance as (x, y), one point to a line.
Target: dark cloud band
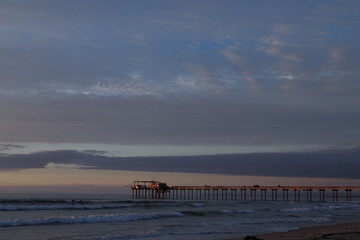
(321, 164)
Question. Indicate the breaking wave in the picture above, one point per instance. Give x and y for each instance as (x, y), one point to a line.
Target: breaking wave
(61, 207)
(89, 219)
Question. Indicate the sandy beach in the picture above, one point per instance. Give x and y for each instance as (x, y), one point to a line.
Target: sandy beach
(344, 231)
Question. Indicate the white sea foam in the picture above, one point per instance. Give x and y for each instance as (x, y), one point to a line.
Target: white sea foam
(227, 211)
(325, 207)
(298, 209)
(89, 219)
(230, 211)
(197, 204)
(321, 207)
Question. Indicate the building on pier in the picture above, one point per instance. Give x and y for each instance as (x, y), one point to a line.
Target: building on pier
(149, 189)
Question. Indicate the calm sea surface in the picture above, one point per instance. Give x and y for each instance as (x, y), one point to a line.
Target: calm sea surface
(112, 217)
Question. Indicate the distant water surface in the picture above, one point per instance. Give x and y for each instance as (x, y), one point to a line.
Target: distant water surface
(112, 217)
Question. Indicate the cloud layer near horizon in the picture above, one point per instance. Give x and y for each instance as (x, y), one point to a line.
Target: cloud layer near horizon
(323, 164)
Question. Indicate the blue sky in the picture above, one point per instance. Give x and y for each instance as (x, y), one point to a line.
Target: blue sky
(151, 78)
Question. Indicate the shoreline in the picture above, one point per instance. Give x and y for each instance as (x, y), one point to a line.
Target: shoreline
(341, 231)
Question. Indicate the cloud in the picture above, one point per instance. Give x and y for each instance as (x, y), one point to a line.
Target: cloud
(95, 152)
(101, 59)
(10, 146)
(334, 163)
(181, 120)
(52, 165)
(215, 73)
(132, 85)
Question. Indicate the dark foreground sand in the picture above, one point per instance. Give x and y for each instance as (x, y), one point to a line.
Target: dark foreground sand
(344, 231)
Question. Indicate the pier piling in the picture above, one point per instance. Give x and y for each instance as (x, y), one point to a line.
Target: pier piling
(157, 190)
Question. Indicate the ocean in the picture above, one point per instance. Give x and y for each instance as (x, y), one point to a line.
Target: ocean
(113, 217)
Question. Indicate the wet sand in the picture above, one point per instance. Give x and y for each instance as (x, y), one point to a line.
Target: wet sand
(344, 231)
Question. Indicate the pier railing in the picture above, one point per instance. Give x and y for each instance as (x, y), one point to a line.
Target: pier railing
(157, 190)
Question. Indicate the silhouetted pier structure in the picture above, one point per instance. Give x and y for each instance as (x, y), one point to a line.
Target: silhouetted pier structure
(158, 190)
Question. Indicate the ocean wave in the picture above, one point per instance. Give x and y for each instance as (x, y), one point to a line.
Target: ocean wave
(337, 206)
(227, 211)
(69, 201)
(89, 219)
(321, 207)
(218, 212)
(282, 220)
(197, 204)
(112, 236)
(149, 234)
(243, 211)
(298, 209)
(246, 211)
(19, 207)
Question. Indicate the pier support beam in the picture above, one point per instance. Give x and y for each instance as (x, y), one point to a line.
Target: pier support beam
(348, 195)
(263, 194)
(216, 195)
(297, 195)
(253, 194)
(335, 195)
(309, 195)
(322, 195)
(136, 193)
(222, 194)
(285, 195)
(242, 194)
(233, 194)
(207, 194)
(274, 194)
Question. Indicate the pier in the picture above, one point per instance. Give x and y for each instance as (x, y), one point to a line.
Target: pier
(158, 190)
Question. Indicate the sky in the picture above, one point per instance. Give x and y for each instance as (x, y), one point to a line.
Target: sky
(108, 81)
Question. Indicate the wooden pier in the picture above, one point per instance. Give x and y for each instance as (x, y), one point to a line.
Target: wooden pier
(158, 190)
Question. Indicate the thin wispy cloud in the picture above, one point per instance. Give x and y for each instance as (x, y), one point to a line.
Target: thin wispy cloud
(10, 146)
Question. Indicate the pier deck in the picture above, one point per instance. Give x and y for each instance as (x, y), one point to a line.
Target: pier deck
(157, 190)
